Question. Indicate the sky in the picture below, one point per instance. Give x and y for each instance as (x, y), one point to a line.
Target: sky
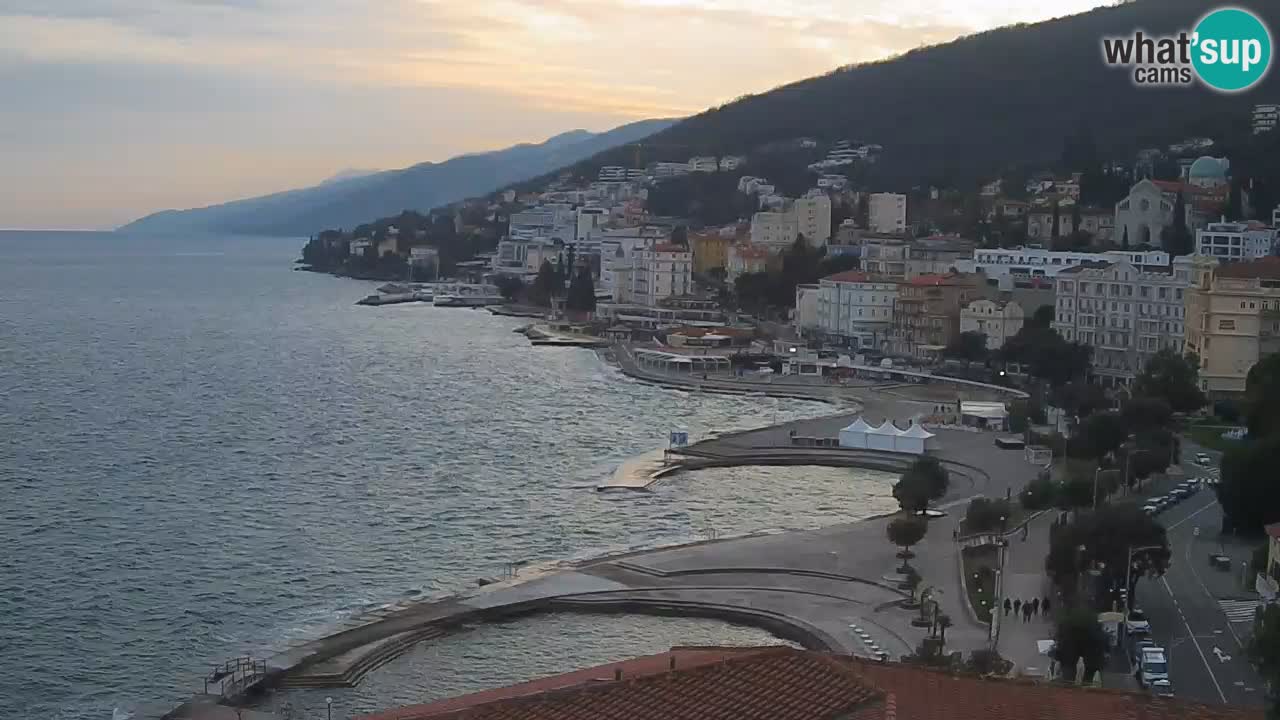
(113, 109)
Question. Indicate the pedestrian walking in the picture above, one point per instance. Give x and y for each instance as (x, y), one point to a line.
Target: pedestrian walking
(1007, 607)
(1026, 612)
(1035, 607)
(1045, 605)
(1017, 606)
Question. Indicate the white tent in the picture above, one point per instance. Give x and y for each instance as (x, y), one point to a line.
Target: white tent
(913, 439)
(855, 436)
(884, 437)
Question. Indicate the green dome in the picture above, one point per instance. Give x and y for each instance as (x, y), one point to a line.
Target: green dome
(1207, 168)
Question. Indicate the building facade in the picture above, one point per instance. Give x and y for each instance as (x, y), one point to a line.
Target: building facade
(1235, 241)
(1023, 266)
(745, 258)
(885, 255)
(1233, 320)
(710, 250)
(805, 317)
(660, 272)
(855, 309)
(926, 316)
(1265, 117)
(1143, 215)
(999, 320)
(1126, 314)
(813, 218)
(887, 213)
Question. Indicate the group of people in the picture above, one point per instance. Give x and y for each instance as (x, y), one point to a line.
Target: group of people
(1028, 609)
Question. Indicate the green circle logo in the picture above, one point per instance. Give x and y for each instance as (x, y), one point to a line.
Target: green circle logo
(1231, 49)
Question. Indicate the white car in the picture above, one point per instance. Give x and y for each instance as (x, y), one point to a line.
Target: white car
(1203, 459)
(1154, 667)
(1162, 688)
(1151, 509)
(1137, 623)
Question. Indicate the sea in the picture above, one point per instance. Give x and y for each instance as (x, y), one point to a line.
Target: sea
(205, 454)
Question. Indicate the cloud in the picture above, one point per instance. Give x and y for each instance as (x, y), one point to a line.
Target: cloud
(305, 87)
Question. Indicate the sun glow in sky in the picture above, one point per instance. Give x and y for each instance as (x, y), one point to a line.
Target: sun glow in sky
(117, 108)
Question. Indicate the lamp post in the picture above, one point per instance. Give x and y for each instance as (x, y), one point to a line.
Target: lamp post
(329, 704)
(1096, 473)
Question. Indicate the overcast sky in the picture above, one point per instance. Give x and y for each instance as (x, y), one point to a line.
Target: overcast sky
(115, 108)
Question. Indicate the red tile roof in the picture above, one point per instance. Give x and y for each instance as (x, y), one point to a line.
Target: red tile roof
(849, 276)
(927, 694)
(723, 684)
(1267, 268)
(936, 280)
(781, 683)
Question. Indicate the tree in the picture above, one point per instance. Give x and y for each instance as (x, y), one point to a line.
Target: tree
(1074, 494)
(1248, 492)
(510, 287)
(1264, 651)
(1038, 495)
(1078, 636)
(1262, 390)
(971, 346)
(1080, 398)
(1124, 239)
(1146, 413)
(680, 236)
(1057, 222)
(1173, 378)
(912, 493)
(987, 662)
(544, 286)
(986, 515)
(582, 292)
(1049, 356)
(905, 532)
(1106, 536)
(1100, 434)
(1042, 317)
(1077, 221)
(1176, 238)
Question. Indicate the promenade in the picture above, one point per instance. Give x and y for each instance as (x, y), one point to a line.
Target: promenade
(835, 588)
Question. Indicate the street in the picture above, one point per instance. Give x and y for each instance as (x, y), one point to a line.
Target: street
(1206, 651)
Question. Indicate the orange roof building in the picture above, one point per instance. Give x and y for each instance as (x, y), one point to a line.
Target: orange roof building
(783, 683)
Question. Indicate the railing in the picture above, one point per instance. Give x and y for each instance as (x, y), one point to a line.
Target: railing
(235, 676)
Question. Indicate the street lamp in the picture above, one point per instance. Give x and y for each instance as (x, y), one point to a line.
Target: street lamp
(329, 704)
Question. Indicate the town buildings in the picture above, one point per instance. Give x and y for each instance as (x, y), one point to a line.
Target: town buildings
(998, 320)
(887, 213)
(1127, 314)
(809, 216)
(704, 164)
(1143, 214)
(746, 258)
(937, 255)
(885, 254)
(710, 249)
(926, 316)
(1098, 223)
(1026, 266)
(805, 316)
(661, 271)
(855, 309)
(1234, 241)
(1233, 319)
(1265, 117)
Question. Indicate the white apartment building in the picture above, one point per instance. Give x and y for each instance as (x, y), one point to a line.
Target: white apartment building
(703, 164)
(998, 320)
(856, 309)
(1265, 117)
(670, 169)
(612, 173)
(775, 230)
(813, 217)
(810, 216)
(1124, 313)
(1022, 265)
(1235, 241)
(618, 249)
(885, 255)
(888, 213)
(588, 219)
(661, 271)
(805, 317)
(732, 162)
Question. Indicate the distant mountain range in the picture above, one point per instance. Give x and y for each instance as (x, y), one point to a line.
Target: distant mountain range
(356, 196)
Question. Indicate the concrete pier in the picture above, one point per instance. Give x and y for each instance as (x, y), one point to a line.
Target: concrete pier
(638, 473)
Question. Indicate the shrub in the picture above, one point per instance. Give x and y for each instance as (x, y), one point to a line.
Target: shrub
(984, 515)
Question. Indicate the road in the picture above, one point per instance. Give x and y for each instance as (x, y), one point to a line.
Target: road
(1205, 650)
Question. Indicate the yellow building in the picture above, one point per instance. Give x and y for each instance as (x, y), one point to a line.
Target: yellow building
(1233, 319)
(710, 250)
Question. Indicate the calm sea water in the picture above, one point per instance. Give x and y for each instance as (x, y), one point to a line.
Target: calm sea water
(204, 454)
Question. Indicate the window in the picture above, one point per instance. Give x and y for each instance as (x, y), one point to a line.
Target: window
(1226, 324)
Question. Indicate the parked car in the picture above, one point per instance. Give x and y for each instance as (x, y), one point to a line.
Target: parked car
(1162, 688)
(1151, 509)
(1203, 459)
(1140, 647)
(1154, 666)
(1136, 623)
(1180, 493)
